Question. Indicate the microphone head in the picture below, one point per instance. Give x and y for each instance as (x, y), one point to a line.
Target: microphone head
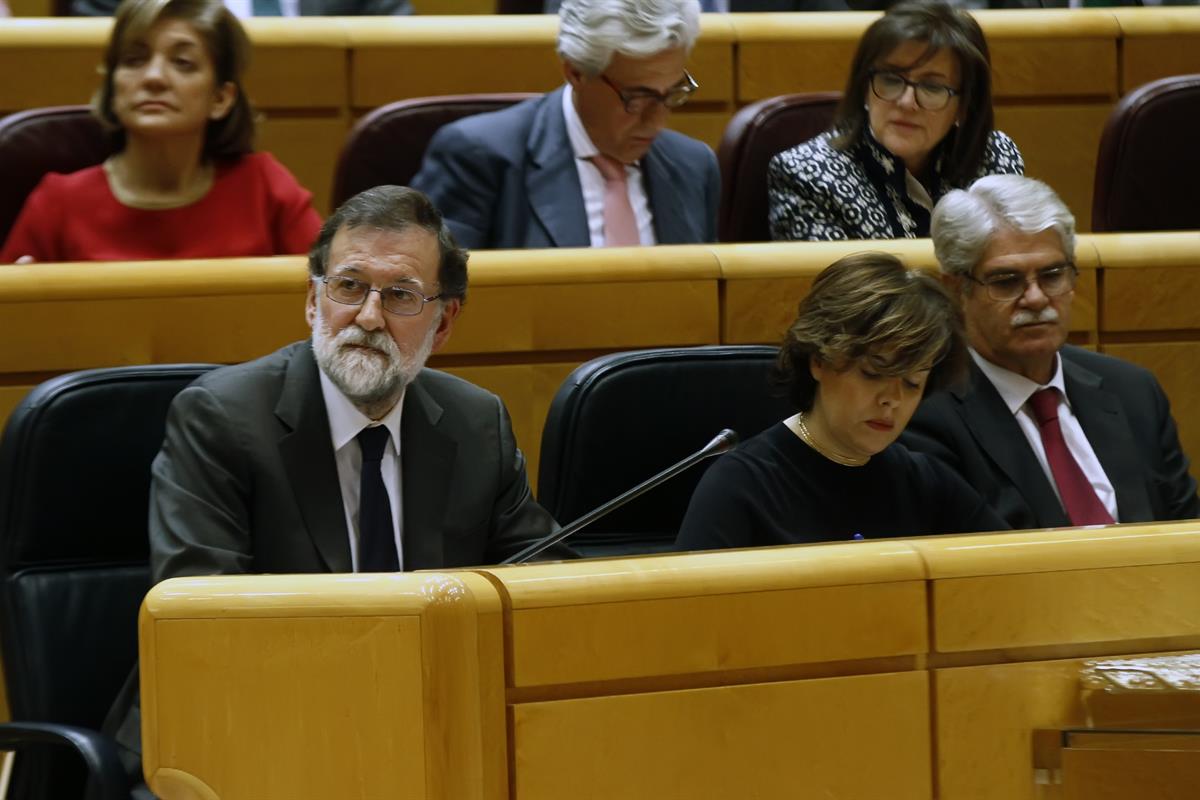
(723, 442)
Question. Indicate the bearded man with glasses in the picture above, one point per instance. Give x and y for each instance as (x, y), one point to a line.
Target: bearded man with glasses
(1050, 434)
(591, 163)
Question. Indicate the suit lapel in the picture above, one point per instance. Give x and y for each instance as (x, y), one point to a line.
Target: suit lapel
(427, 463)
(663, 188)
(1108, 432)
(307, 454)
(1000, 437)
(552, 179)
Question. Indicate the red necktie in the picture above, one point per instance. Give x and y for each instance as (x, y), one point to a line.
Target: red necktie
(1082, 505)
(620, 226)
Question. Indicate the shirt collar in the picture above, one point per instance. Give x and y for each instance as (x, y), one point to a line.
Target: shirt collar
(1015, 390)
(581, 143)
(346, 421)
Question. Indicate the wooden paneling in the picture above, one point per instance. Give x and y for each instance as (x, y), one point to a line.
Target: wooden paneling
(392, 679)
(1059, 143)
(63, 54)
(308, 146)
(731, 742)
(1157, 43)
(985, 718)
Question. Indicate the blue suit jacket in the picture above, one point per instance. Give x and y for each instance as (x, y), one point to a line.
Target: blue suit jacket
(508, 179)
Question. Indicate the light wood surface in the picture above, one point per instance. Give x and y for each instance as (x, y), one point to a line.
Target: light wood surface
(770, 672)
(323, 686)
(532, 316)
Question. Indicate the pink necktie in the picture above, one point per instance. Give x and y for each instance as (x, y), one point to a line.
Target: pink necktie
(620, 226)
(1078, 496)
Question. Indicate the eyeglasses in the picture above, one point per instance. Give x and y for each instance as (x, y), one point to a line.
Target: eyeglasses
(890, 86)
(396, 299)
(638, 100)
(1053, 281)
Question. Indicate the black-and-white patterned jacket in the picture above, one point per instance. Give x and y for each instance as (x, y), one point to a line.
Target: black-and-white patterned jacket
(818, 193)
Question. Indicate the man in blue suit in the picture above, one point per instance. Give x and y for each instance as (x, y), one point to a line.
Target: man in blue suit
(590, 163)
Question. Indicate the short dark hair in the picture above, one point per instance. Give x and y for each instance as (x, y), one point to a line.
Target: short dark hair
(227, 45)
(396, 208)
(871, 306)
(939, 26)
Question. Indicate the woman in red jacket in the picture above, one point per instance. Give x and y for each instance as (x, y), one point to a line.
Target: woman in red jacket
(184, 182)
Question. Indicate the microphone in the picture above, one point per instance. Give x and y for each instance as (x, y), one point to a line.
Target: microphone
(723, 442)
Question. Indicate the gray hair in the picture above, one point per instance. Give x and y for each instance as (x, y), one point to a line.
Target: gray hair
(964, 221)
(591, 31)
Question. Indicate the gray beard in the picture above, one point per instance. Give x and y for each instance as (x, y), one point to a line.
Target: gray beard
(371, 379)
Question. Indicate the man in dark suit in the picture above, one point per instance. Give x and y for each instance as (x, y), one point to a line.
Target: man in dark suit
(1050, 434)
(269, 466)
(273, 8)
(260, 470)
(589, 164)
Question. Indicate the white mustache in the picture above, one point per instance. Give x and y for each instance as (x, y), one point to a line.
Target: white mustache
(1027, 317)
(377, 340)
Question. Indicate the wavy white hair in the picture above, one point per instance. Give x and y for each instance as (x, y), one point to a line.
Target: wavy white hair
(964, 221)
(591, 31)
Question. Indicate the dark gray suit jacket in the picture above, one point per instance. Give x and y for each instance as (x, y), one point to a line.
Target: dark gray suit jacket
(1122, 410)
(508, 180)
(246, 480)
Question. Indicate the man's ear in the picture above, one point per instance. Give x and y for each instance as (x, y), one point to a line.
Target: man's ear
(573, 75)
(954, 283)
(310, 304)
(450, 311)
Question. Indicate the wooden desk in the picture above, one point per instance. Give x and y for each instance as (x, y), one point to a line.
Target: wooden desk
(770, 672)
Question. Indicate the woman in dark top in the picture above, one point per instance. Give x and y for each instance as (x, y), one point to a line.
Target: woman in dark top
(871, 339)
(915, 121)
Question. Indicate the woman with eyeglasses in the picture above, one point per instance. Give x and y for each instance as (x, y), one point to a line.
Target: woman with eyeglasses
(914, 122)
(183, 181)
(871, 340)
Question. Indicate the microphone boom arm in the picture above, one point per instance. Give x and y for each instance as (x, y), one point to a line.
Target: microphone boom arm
(721, 443)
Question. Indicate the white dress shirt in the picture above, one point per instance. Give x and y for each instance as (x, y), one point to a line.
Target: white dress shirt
(1015, 390)
(592, 182)
(345, 422)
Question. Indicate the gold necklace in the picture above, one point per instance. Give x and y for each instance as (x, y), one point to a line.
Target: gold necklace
(806, 436)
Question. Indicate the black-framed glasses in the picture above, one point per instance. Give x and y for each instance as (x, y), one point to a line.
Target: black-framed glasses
(638, 99)
(890, 86)
(1005, 286)
(395, 299)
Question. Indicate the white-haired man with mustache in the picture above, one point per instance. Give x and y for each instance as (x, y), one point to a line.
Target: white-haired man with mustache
(1051, 434)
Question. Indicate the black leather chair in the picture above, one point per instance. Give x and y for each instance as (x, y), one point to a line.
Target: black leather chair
(752, 137)
(387, 145)
(621, 418)
(1148, 165)
(74, 483)
(32, 143)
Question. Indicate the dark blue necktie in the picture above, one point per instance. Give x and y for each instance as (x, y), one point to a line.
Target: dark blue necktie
(376, 535)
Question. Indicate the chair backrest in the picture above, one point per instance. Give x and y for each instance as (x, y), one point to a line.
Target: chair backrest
(32, 143)
(752, 137)
(622, 418)
(387, 145)
(1148, 166)
(74, 487)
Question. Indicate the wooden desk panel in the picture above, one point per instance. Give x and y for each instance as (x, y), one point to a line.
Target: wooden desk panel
(854, 737)
(1157, 43)
(309, 147)
(984, 722)
(298, 682)
(1059, 143)
(64, 54)
(708, 613)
